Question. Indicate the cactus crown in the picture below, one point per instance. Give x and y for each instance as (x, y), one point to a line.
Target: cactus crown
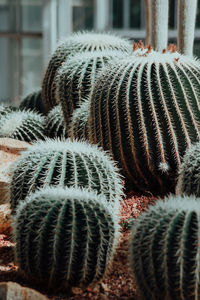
(73, 237)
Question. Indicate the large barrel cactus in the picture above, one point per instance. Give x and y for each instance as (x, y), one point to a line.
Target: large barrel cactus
(189, 173)
(33, 101)
(165, 251)
(23, 125)
(55, 125)
(64, 237)
(78, 128)
(64, 163)
(77, 43)
(75, 79)
(146, 111)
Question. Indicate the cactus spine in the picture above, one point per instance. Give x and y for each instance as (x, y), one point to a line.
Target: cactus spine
(186, 25)
(189, 173)
(23, 125)
(65, 237)
(145, 110)
(165, 252)
(55, 125)
(33, 101)
(75, 79)
(78, 43)
(65, 163)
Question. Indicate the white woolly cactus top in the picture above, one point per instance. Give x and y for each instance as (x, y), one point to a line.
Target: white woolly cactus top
(97, 41)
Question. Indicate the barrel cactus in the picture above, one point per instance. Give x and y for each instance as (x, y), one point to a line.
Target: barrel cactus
(23, 125)
(146, 110)
(75, 79)
(55, 125)
(5, 109)
(64, 163)
(165, 252)
(64, 237)
(33, 101)
(77, 43)
(189, 173)
(78, 128)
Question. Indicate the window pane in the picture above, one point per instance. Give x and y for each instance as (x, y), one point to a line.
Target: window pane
(117, 13)
(8, 15)
(9, 75)
(198, 16)
(31, 64)
(197, 48)
(135, 11)
(83, 17)
(31, 11)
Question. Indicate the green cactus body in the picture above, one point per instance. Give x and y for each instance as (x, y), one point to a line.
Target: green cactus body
(5, 109)
(33, 101)
(78, 128)
(64, 163)
(78, 43)
(55, 125)
(165, 252)
(23, 125)
(146, 111)
(76, 78)
(65, 237)
(189, 173)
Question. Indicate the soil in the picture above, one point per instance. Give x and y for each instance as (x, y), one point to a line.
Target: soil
(118, 283)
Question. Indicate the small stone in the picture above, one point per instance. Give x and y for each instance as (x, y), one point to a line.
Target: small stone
(5, 218)
(14, 291)
(12, 145)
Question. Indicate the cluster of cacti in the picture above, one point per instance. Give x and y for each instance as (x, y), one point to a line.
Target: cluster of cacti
(189, 173)
(164, 250)
(55, 125)
(22, 125)
(65, 163)
(33, 101)
(145, 111)
(77, 43)
(78, 128)
(65, 237)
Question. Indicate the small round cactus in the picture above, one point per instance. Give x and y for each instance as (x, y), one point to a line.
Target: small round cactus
(64, 163)
(33, 101)
(145, 111)
(165, 251)
(55, 125)
(75, 79)
(77, 43)
(78, 128)
(23, 125)
(64, 237)
(5, 109)
(189, 173)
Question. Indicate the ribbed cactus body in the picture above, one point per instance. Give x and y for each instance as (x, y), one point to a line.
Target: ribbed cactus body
(23, 125)
(55, 125)
(65, 237)
(78, 43)
(76, 78)
(189, 173)
(33, 101)
(165, 252)
(65, 163)
(5, 109)
(78, 128)
(146, 111)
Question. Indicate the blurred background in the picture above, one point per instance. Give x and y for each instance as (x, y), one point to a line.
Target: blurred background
(30, 29)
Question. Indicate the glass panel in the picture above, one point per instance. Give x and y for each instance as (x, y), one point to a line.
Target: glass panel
(135, 12)
(31, 64)
(31, 11)
(83, 17)
(9, 75)
(8, 15)
(117, 13)
(197, 48)
(198, 16)
(172, 14)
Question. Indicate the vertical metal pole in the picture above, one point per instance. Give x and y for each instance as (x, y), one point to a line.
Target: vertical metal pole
(102, 14)
(19, 50)
(126, 14)
(65, 26)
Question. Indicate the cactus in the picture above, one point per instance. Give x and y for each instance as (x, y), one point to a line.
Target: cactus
(55, 125)
(33, 101)
(65, 237)
(79, 123)
(75, 79)
(23, 125)
(145, 110)
(189, 173)
(77, 43)
(64, 163)
(165, 252)
(5, 109)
